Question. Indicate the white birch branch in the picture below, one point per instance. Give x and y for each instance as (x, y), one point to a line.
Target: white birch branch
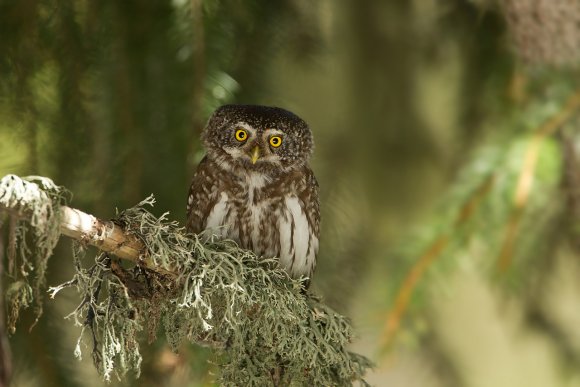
(102, 234)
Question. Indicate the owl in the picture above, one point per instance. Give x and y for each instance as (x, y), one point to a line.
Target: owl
(255, 186)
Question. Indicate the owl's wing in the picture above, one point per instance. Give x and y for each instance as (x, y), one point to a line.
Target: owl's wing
(310, 199)
(202, 196)
(308, 195)
(305, 187)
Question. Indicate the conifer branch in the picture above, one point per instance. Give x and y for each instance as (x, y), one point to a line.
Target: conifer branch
(263, 328)
(432, 253)
(521, 196)
(526, 178)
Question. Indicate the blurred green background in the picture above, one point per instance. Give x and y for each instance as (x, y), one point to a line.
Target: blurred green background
(429, 123)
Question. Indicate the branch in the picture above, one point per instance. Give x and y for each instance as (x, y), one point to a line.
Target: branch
(436, 248)
(257, 319)
(89, 229)
(526, 178)
(106, 236)
(86, 228)
(432, 253)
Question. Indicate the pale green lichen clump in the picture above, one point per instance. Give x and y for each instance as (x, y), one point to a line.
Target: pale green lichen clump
(256, 318)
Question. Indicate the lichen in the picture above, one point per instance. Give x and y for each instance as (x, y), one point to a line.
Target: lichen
(255, 317)
(34, 230)
(261, 325)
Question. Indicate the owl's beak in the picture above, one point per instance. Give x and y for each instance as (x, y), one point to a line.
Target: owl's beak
(255, 155)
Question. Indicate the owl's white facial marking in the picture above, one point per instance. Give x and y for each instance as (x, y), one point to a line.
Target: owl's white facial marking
(249, 128)
(271, 132)
(236, 153)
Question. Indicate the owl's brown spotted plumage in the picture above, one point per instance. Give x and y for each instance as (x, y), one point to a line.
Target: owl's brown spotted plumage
(255, 186)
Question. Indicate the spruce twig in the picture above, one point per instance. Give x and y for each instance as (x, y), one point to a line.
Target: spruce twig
(442, 241)
(405, 292)
(526, 178)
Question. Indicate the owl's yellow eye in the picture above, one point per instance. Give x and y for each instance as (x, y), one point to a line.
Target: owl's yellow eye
(275, 141)
(241, 135)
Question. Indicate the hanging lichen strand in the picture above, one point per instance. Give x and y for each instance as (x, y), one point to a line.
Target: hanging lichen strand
(34, 209)
(261, 326)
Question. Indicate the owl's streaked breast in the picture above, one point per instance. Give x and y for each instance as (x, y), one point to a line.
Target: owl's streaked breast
(269, 226)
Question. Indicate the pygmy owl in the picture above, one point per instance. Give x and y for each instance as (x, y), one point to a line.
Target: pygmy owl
(255, 187)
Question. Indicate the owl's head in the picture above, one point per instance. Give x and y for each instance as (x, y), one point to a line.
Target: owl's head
(260, 138)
